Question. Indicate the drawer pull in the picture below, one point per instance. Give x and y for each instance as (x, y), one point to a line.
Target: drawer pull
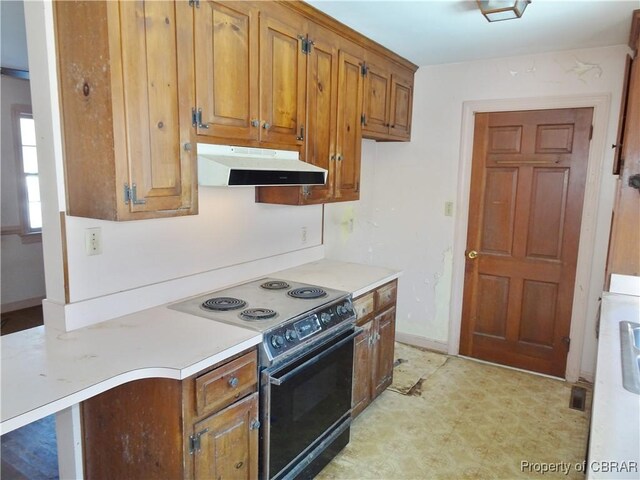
(233, 382)
(239, 465)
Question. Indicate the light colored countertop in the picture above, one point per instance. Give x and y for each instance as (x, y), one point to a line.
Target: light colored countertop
(350, 277)
(615, 419)
(45, 371)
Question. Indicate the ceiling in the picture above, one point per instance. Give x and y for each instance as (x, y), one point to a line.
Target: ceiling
(429, 32)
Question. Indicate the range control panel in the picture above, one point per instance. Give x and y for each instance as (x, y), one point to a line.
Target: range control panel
(294, 332)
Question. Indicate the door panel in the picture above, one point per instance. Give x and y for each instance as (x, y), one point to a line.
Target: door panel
(283, 77)
(546, 225)
(349, 139)
(527, 189)
(377, 96)
(401, 106)
(493, 297)
(228, 443)
(150, 74)
(322, 92)
(226, 68)
(385, 331)
(499, 210)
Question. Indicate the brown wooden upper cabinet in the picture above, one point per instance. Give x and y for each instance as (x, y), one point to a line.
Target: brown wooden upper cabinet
(124, 95)
(388, 98)
(250, 73)
(334, 109)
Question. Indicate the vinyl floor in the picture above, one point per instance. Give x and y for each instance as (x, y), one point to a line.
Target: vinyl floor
(468, 420)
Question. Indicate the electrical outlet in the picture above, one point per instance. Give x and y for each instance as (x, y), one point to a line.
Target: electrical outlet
(303, 235)
(448, 209)
(93, 241)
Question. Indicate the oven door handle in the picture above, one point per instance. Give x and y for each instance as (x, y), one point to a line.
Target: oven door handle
(280, 380)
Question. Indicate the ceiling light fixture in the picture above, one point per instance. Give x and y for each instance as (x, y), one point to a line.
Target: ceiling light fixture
(497, 10)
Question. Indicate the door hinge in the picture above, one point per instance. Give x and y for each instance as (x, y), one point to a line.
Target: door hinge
(194, 3)
(194, 441)
(196, 118)
(305, 45)
(567, 340)
(363, 119)
(364, 69)
(591, 132)
(131, 195)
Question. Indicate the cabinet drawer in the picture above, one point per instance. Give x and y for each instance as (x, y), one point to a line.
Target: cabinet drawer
(364, 307)
(226, 384)
(386, 295)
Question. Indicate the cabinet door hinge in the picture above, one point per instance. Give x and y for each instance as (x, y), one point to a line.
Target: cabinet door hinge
(567, 341)
(364, 70)
(304, 44)
(131, 195)
(363, 119)
(194, 441)
(196, 118)
(194, 3)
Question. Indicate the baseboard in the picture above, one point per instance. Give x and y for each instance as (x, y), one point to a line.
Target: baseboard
(422, 342)
(20, 304)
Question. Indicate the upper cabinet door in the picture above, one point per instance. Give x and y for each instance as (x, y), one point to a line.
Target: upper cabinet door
(401, 104)
(159, 168)
(283, 77)
(349, 129)
(226, 69)
(377, 92)
(322, 94)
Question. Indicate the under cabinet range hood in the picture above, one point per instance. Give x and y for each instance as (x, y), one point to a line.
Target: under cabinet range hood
(230, 166)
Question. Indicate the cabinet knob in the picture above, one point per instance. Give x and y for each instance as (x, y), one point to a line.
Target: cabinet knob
(266, 125)
(339, 157)
(472, 254)
(239, 465)
(233, 382)
(255, 123)
(255, 424)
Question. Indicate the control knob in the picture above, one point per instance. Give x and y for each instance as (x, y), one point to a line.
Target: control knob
(291, 335)
(344, 309)
(325, 318)
(277, 341)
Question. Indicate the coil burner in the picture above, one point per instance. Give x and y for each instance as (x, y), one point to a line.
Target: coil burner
(258, 314)
(223, 304)
(307, 293)
(275, 285)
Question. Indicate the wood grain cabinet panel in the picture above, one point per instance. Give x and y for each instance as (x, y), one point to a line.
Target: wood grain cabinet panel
(374, 347)
(123, 108)
(226, 66)
(163, 428)
(401, 106)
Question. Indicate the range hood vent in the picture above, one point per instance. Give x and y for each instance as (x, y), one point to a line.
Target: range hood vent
(230, 166)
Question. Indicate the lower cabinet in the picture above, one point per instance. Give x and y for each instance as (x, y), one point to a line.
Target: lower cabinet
(374, 347)
(205, 426)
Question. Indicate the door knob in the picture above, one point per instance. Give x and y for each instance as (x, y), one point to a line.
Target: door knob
(472, 254)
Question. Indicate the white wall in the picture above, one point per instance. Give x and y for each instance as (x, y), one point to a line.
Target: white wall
(22, 263)
(413, 181)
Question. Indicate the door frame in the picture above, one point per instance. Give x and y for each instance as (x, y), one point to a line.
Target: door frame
(587, 258)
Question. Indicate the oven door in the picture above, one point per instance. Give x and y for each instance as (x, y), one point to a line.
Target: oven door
(303, 401)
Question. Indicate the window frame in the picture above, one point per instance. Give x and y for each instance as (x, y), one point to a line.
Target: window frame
(27, 234)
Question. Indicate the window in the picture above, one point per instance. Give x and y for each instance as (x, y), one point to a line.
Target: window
(28, 181)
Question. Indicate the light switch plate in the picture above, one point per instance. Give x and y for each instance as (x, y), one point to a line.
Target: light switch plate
(448, 209)
(93, 241)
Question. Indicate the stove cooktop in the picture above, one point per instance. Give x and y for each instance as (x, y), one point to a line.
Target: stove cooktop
(260, 305)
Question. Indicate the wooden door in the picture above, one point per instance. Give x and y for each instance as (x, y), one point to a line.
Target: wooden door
(322, 99)
(349, 137)
(527, 189)
(362, 359)
(229, 443)
(401, 105)
(385, 335)
(161, 170)
(377, 93)
(226, 69)
(283, 77)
